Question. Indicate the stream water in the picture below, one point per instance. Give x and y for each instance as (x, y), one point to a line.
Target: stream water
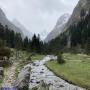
(40, 72)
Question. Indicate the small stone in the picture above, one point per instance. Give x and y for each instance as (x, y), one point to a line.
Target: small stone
(38, 82)
(41, 72)
(61, 85)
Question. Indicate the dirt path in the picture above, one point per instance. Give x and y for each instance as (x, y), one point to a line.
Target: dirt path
(9, 76)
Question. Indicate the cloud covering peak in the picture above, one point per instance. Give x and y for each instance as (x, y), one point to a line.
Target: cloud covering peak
(37, 15)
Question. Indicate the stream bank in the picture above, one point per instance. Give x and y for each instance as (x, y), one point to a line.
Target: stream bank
(40, 72)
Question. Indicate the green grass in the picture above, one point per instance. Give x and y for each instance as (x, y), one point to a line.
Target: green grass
(37, 57)
(76, 69)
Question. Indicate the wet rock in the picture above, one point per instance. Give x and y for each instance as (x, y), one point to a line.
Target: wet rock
(42, 86)
(61, 85)
(42, 69)
(50, 84)
(41, 72)
(32, 81)
(38, 82)
(22, 82)
(33, 76)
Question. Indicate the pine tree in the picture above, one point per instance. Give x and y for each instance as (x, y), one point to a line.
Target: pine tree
(34, 43)
(25, 43)
(18, 41)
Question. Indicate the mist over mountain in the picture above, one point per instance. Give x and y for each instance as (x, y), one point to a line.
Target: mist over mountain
(4, 21)
(59, 28)
(24, 30)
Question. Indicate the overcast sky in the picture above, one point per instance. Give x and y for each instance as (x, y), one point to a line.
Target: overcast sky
(37, 15)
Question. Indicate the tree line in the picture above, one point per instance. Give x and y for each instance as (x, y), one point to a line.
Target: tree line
(78, 35)
(11, 39)
(80, 32)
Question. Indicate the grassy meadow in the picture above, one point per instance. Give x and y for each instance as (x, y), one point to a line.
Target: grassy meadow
(76, 70)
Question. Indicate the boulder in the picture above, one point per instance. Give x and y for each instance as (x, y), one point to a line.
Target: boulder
(22, 82)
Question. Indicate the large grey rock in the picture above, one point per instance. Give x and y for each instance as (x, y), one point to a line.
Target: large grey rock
(22, 82)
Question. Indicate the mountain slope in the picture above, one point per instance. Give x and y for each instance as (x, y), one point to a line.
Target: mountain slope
(4, 21)
(58, 28)
(75, 17)
(83, 7)
(24, 30)
(76, 32)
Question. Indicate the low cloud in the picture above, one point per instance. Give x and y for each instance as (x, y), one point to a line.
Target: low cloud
(37, 15)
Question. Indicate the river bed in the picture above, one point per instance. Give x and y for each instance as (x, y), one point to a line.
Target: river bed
(40, 72)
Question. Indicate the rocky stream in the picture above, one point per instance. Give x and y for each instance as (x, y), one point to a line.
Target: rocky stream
(39, 72)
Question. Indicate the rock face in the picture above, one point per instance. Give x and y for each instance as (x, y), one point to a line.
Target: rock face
(59, 28)
(75, 17)
(22, 82)
(24, 30)
(4, 21)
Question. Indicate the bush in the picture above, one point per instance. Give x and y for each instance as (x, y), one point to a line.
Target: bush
(60, 59)
(29, 58)
(5, 52)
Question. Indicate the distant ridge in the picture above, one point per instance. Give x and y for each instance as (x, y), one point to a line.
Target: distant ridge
(58, 28)
(24, 30)
(4, 21)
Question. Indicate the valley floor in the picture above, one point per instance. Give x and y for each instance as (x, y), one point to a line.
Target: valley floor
(76, 70)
